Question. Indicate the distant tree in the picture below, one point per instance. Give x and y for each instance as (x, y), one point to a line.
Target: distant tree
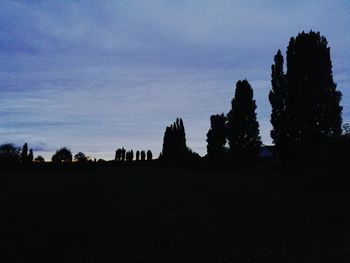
(216, 137)
(137, 155)
(168, 151)
(129, 155)
(39, 159)
(149, 155)
(30, 156)
(143, 156)
(123, 154)
(312, 102)
(118, 155)
(9, 153)
(62, 155)
(24, 153)
(81, 158)
(181, 135)
(243, 127)
(278, 100)
(174, 142)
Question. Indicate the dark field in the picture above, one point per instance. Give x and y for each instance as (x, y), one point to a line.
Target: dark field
(148, 214)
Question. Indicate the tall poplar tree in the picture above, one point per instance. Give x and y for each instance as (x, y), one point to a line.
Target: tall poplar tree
(24, 153)
(174, 143)
(216, 137)
(307, 94)
(243, 127)
(278, 99)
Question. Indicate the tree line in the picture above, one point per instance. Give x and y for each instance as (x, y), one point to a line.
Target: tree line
(123, 155)
(11, 154)
(306, 113)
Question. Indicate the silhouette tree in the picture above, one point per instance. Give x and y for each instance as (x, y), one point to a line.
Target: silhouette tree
(137, 155)
(80, 157)
(149, 155)
(143, 156)
(243, 128)
(130, 155)
(278, 100)
(181, 135)
(39, 159)
(312, 102)
(168, 144)
(118, 155)
(174, 142)
(30, 156)
(123, 154)
(9, 153)
(62, 155)
(216, 137)
(24, 153)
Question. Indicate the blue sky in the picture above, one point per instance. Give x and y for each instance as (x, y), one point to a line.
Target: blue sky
(98, 75)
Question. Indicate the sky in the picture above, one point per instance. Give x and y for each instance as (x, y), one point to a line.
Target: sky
(100, 75)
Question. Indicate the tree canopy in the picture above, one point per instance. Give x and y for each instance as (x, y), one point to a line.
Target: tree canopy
(174, 143)
(149, 155)
(277, 98)
(39, 159)
(62, 155)
(80, 157)
(24, 153)
(243, 128)
(9, 153)
(217, 137)
(305, 102)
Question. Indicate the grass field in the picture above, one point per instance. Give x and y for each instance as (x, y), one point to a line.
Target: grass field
(160, 214)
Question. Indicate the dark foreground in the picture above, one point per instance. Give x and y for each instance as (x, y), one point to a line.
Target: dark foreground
(147, 214)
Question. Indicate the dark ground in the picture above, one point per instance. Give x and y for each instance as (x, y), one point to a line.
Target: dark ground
(148, 214)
